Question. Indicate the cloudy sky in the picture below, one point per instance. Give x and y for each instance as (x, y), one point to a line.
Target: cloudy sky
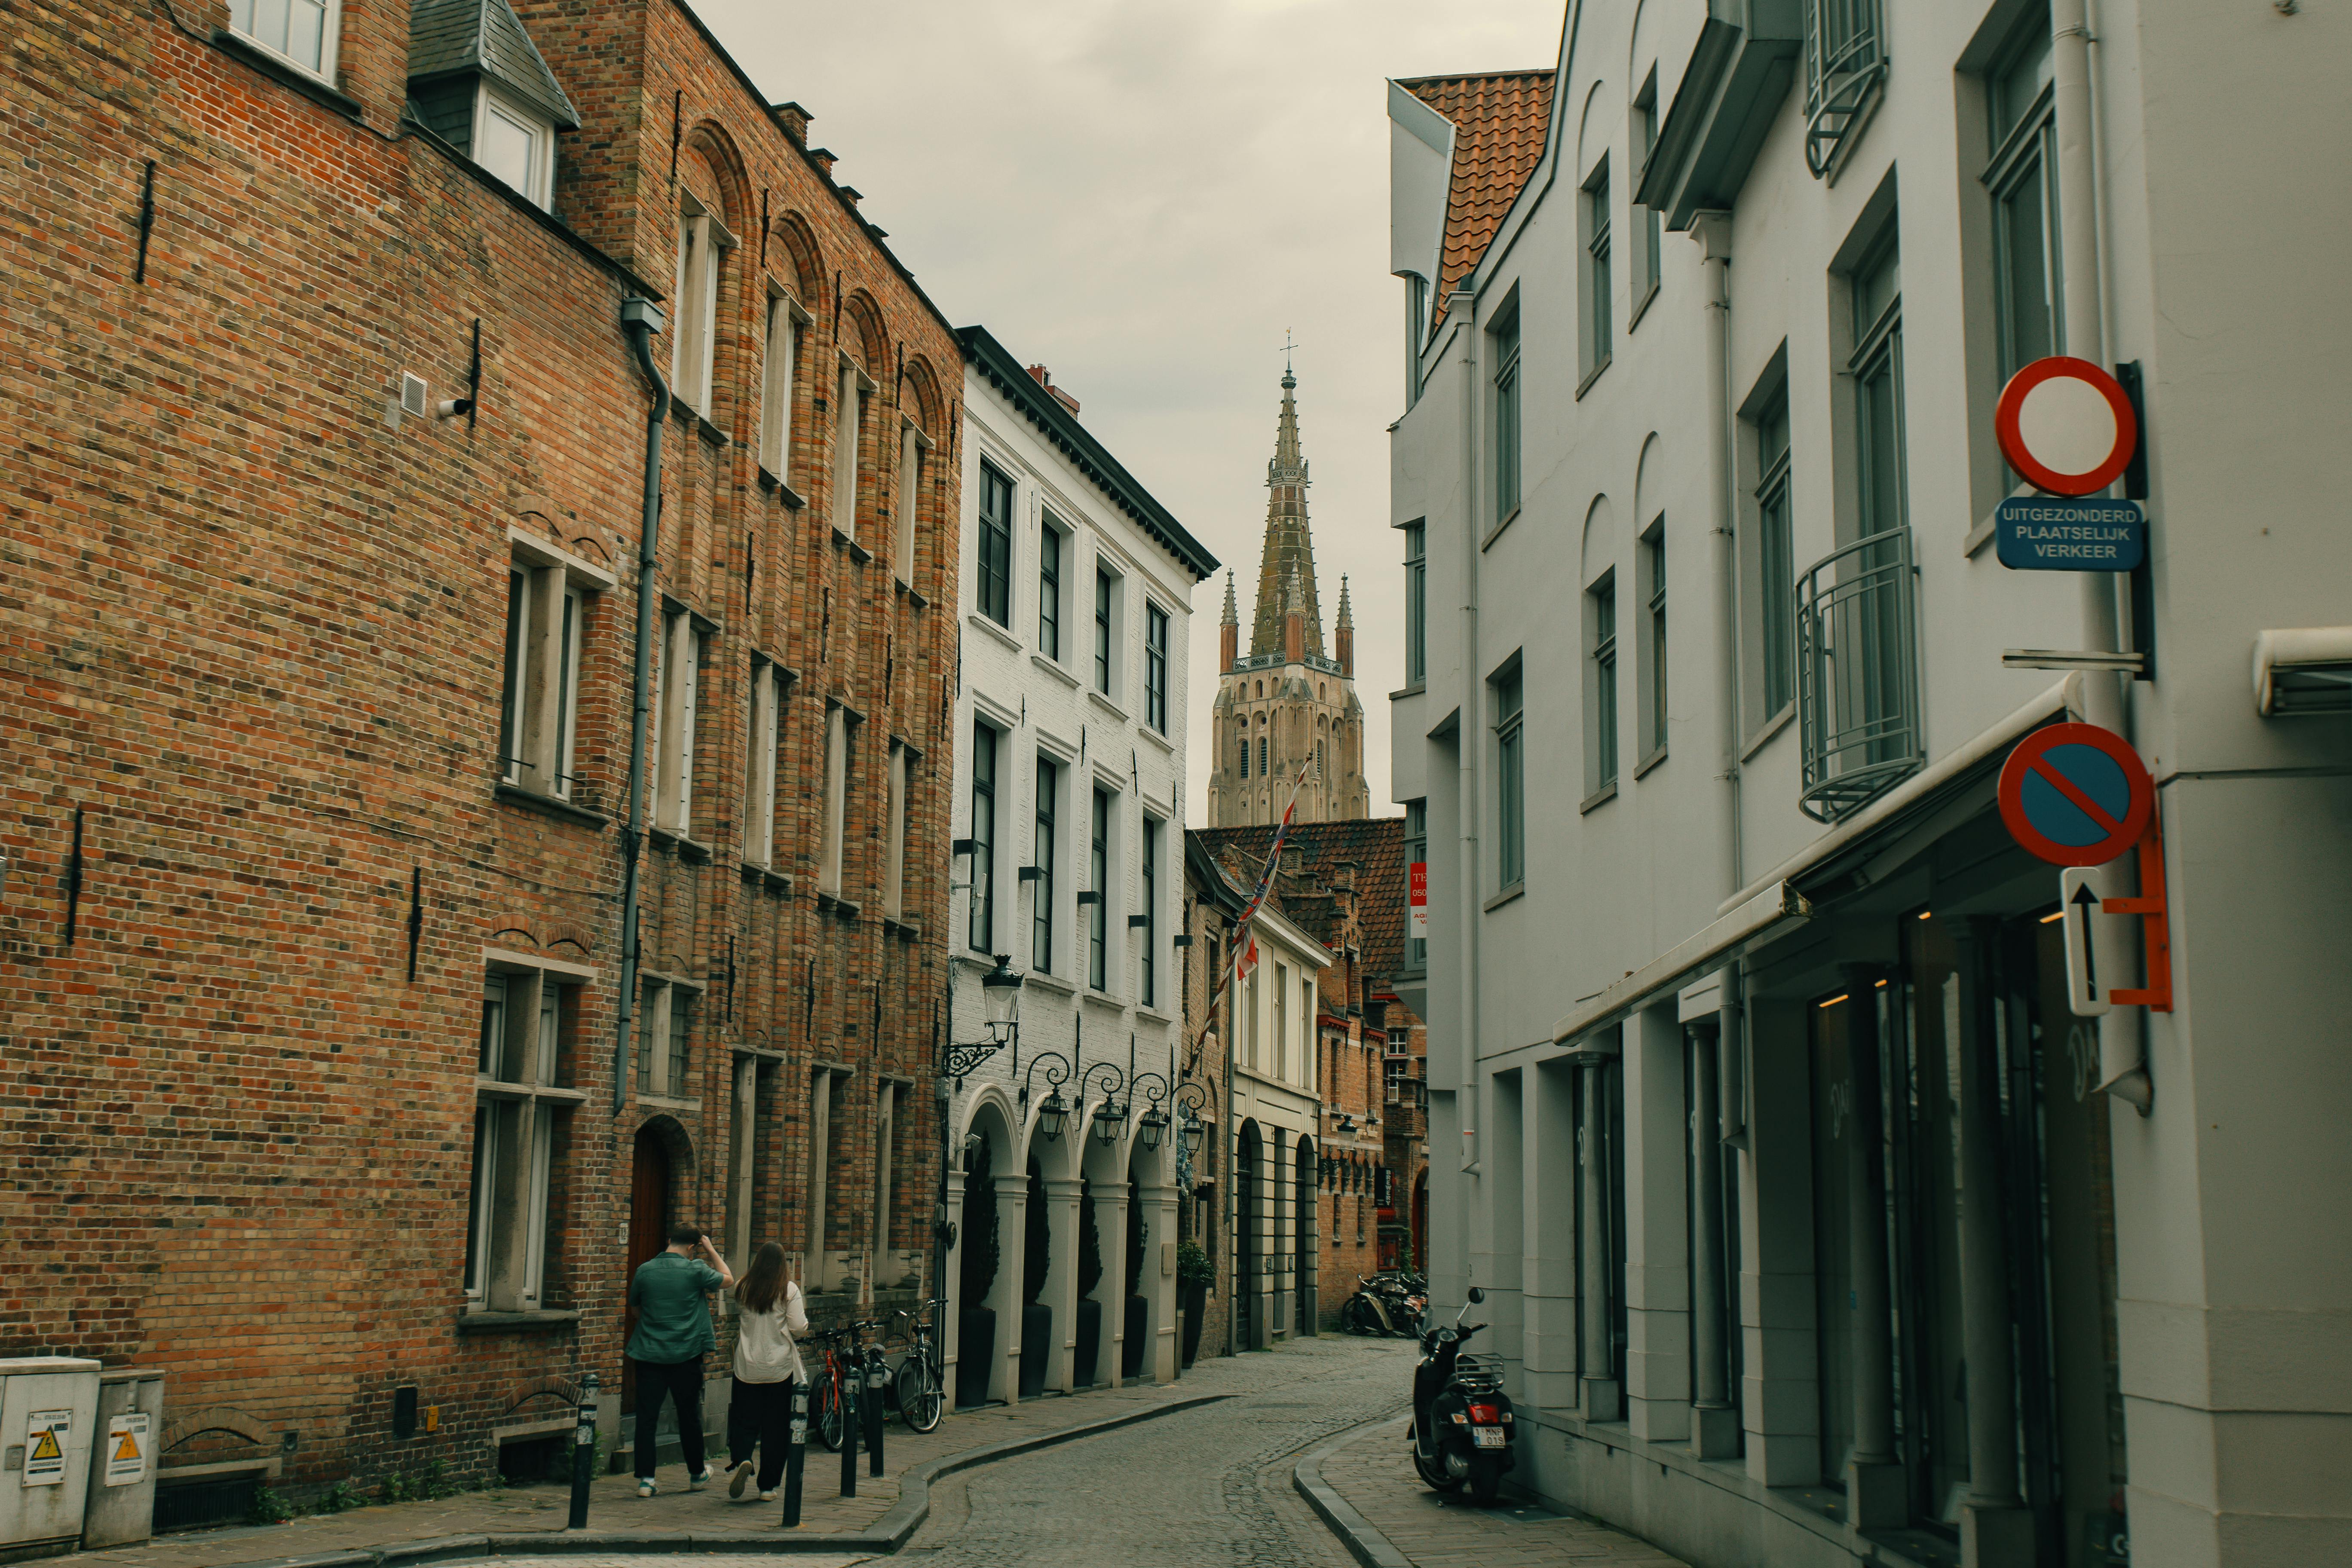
(1146, 196)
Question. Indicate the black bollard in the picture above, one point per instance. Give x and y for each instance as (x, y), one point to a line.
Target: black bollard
(583, 1452)
(849, 1420)
(877, 1381)
(797, 1457)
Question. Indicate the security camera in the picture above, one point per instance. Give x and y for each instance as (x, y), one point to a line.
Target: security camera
(453, 407)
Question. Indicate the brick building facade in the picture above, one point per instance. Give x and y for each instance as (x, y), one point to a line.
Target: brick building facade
(318, 711)
(1344, 884)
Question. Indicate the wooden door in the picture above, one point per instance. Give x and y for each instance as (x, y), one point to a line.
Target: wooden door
(648, 1234)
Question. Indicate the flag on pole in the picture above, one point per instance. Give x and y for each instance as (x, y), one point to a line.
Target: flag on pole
(1245, 949)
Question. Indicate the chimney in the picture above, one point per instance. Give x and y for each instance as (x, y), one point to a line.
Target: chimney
(1044, 378)
(824, 159)
(850, 193)
(795, 120)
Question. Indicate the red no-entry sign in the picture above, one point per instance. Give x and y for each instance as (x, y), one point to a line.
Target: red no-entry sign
(2065, 425)
(2076, 794)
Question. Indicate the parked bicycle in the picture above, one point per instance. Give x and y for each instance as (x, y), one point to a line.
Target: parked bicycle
(921, 1384)
(832, 1361)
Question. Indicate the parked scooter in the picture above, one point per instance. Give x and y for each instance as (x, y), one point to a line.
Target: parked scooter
(1371, 1311)
(1382, 1305)
(1461, 1419)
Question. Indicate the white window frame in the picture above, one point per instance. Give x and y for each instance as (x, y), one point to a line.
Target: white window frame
(779, 375)
(330, 26)
(517, 1101)
(832, 830)
(702, 242)
(851, 387)
(656, 1068)
(538, 186)
(677, 685)
(912, 446)
(894, 849)
(547, 597)
(1107, 633)
(767, 704)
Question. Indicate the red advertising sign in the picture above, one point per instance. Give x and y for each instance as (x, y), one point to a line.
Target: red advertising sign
(1417, 901)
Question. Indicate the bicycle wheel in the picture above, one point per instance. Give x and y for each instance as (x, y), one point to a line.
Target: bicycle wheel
(920, 1400)
(825, 1422)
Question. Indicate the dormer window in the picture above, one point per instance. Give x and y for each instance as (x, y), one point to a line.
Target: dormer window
(515, 144)
(476, 81)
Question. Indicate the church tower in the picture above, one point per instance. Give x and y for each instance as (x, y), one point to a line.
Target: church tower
(1288, 704)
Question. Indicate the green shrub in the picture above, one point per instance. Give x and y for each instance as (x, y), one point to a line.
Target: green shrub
(342, 1494)
(269, 1507)
(1192, 1265)
(396, 1487)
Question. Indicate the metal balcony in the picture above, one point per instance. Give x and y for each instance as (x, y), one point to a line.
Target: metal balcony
(1845, 65)
(1858, 674)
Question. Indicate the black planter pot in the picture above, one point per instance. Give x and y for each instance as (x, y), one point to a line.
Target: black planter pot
(1036, 1347)
(1139, 1317)
(975, 1352)
(1196, 1307)
(1090, 1337)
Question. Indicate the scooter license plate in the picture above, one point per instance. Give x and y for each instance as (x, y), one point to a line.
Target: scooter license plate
(1488, 1436)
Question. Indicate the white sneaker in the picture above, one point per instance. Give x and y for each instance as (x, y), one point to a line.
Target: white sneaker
(695, 1482)
(646, 1487)
(768, 1496)
(741, 1478)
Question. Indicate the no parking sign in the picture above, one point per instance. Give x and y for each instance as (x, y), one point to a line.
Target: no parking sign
(2076, 794)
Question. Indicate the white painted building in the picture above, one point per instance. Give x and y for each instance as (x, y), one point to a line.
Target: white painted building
(1696, 483)
(1069, 812)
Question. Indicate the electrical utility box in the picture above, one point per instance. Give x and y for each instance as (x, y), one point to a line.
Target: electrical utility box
(128, 1433)
(47, 1405)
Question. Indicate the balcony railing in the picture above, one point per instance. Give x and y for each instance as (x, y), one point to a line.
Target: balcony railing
(1857, 674)
(1845, 65)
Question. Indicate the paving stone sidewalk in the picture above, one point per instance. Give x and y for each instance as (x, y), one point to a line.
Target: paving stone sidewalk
(1374, 1474)
(614, 1505)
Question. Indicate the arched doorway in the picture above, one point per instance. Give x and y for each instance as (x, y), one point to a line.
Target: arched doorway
(1306, 1303)
(1248, 1237)
(651, 1190)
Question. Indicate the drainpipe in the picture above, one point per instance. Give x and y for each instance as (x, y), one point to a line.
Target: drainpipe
(1712, 232)
(2122, 1069)
(1461, 306)
(641, 318)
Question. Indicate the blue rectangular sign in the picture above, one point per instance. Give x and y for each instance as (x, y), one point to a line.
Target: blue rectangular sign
(2052, 534)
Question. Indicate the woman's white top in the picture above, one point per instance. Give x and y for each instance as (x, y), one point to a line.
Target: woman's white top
(764, 1350)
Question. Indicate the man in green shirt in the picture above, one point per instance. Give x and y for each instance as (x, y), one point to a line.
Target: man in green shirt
(669, 1294)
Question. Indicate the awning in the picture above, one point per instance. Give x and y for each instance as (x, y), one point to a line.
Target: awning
(1778, 908)
(1920, 787)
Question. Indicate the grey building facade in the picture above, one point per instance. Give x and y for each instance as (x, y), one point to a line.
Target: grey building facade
(1817, 1225)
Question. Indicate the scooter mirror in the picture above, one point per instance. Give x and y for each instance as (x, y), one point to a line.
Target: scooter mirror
(1477, 1295)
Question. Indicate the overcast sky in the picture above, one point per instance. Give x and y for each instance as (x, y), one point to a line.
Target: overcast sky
(1145, 195)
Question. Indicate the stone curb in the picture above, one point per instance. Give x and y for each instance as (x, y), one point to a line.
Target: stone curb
(890, 1532)
(1364, 1543)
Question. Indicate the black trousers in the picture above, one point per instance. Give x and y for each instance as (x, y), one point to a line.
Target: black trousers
(761, 1415)
(674, 1380)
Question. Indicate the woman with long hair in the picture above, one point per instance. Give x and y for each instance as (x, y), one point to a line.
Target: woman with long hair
(768, 1317)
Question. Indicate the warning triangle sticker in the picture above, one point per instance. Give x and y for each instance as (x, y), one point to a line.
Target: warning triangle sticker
(128, 1448)
(46, 1449)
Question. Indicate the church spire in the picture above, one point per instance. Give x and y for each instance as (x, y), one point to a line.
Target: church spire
(1228, 631)
(1289, 551)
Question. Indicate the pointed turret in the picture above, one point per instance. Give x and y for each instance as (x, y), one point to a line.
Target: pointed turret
(1289, 550)
(1343, 631)
(1229, 631)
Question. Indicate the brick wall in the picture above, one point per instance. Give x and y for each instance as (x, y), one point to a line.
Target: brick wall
(253, 632)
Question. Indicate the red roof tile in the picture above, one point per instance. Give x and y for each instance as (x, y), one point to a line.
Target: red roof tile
(1312, 861)
(1499, 119)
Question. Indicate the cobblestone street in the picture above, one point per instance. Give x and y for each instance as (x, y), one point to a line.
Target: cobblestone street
(1210, 1486)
